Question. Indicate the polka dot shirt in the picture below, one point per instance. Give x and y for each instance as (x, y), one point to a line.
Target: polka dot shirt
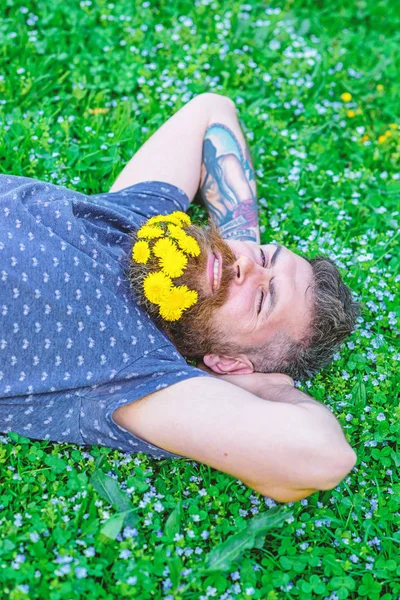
(74, 344)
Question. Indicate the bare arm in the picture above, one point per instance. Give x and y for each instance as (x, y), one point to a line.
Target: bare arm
(228, 186)
(173, 154)
(280, 449)
(202, 146)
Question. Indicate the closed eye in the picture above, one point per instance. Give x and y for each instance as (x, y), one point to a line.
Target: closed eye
(263, 261)
(260, 303)
(272, 292)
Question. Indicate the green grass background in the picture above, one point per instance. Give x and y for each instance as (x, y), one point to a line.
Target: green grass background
(80, 522)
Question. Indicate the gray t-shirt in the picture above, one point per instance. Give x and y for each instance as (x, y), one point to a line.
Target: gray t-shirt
(74, 344)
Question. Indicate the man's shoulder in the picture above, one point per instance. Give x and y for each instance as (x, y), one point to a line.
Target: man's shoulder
(22, 187)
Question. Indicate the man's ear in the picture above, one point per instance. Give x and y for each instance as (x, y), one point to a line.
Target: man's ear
(224, 365)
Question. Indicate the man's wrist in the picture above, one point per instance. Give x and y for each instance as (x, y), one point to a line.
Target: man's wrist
(227, 183)
(251, 234)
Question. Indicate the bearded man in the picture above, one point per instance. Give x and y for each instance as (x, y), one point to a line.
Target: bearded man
(87, 358)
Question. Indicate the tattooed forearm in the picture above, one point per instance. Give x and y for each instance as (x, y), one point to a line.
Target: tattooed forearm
(227, 184)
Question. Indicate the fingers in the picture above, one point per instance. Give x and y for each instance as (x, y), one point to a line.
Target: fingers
(278, 379)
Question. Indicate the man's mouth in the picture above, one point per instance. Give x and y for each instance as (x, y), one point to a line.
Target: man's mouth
(214, 269)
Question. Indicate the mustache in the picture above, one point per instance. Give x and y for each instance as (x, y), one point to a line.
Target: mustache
(195, 276)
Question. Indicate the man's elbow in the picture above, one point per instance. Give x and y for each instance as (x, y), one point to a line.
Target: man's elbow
(213, 101)
(325, 475)
(331, 470)
(337, 468)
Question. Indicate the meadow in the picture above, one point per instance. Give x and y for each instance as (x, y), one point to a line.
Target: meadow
(317, 87)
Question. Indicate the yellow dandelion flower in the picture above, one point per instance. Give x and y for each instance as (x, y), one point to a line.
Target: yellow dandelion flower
(173, 262)
(346, 97)
(176, 301)
(163, 246)
(156, 219)
(182, 217)
(98, 111)
(156, 286)
(150, 232)
(177, 218)
(188, 244)
(176, 231)
(351, 114)
(182, 296)
(393, 126)
(161, 219)
(365, 138)
(141, 252)
(170, 314)
(381, 139)
(380, 87)
(174, 220)
(388, 133)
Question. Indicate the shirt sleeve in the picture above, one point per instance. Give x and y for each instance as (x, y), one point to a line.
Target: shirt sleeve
(150, 373)
(147, 198)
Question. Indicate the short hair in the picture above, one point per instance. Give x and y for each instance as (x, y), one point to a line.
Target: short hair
(333, 318)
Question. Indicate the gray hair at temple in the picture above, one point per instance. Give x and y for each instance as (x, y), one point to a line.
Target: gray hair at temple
(334, 314)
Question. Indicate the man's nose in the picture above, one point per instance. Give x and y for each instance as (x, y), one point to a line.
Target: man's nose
(245, 267)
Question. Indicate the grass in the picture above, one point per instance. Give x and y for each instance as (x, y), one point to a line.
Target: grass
(83, 85)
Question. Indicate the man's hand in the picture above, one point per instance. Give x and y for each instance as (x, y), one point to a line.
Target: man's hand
(261, 385)
(256, 383)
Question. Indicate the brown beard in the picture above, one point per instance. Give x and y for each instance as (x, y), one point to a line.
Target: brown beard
(195, 333)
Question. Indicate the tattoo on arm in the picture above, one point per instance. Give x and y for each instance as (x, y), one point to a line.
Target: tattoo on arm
(228, 185)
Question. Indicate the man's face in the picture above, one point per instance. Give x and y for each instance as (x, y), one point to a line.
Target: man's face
(247, 294)
(270, 293)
